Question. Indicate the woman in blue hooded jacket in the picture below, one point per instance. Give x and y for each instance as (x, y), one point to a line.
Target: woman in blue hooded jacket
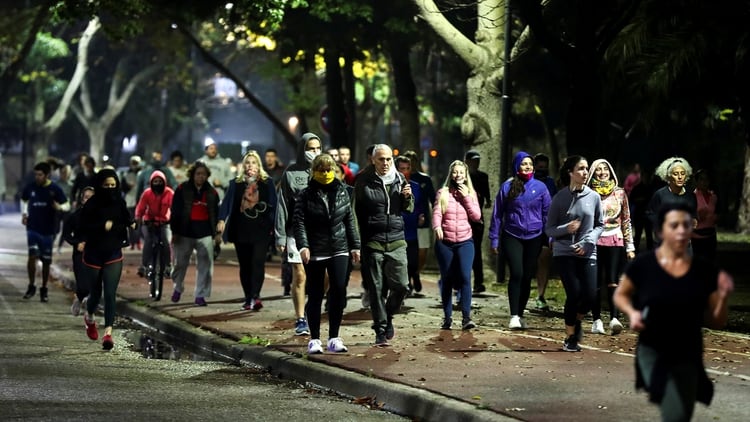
(516, 226)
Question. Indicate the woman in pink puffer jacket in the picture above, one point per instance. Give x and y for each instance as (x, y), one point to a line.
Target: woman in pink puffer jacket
(455, 205)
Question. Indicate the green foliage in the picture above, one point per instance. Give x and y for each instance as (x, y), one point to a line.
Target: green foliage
(254, 341)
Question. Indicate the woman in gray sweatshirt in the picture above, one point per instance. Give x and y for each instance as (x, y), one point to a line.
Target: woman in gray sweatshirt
(574, 223)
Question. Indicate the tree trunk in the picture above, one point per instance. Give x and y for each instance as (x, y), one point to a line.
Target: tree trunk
(743, 217)
(406, 95)
(335, 98)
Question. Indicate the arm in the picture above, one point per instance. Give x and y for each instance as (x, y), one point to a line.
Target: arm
(622, 298)
(471, 205)
(437, 217)
(300, 230)
(281, 215)
(717, 311)
(626, 226)
(496, 221)
(554, 227)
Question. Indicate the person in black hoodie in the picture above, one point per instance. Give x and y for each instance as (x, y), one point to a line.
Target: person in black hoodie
(71, 234)
(326, 235)
(104, 229)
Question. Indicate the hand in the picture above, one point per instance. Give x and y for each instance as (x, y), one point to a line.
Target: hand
(463, 190)
(355, 257)
(636, 320)
(406, 190)
(420, 219)
(280, 248)
(574, 225)
(108, 225)
(220, 227)
(724, 284)
(439, 233)
(25, 219)
(305, 255)
(578, 249)
(631, 255)
(81, 246)
(56, 205)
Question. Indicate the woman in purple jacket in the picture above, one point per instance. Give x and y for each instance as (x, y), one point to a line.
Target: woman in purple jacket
(518, 220)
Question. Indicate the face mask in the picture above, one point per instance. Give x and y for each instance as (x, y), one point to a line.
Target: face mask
(159, 189)
(310, 155)
(111, 193)
(324, 177)
(524, 176)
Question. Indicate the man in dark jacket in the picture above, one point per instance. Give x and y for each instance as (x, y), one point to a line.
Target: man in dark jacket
(195, 210)
(481, 182)
(380, 197)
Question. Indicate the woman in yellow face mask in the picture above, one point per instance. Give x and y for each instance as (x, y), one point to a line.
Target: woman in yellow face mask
(327, 238)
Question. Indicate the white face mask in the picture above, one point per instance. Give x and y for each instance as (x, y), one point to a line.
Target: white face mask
(310, 155)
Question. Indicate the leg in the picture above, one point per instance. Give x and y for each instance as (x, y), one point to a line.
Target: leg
(204, 262)
(396, 279)
(477, 234)
(465, 254)
(299, 281)
(258, 268)
(373, 264)
(183, 248)
(244, 258)
(542, 272)
(531, 249)
(315, 271)
(110, 280)
(512, 249)
(572, 286)
(444, 255)
(337, 268)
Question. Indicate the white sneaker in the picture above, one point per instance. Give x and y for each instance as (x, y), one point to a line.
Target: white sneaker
(597, 327)
(615, 326)
(515, 323)
(314, 347)
(75, 308)
(336, 345)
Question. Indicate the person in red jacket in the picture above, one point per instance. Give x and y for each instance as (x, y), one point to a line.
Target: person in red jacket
(153, 213)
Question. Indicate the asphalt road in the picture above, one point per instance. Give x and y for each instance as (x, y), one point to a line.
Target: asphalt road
(50, 370)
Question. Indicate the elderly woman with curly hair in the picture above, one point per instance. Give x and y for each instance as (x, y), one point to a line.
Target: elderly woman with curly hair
(676, 171)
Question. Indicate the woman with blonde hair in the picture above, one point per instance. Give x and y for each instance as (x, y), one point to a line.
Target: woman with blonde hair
(246, 218)
(676, 171)
(455, 205)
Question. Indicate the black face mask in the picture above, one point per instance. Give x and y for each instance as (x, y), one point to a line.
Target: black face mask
(159, 189)
(111, 194)
(541, 174)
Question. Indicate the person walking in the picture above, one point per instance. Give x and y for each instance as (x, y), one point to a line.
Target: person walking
(71, 232)
(41, 200)
(104, 229)
(412, 220)
(481, 182)
(195, 209)
(615, 244)
(246, 218)
(221, 172)
(129, 183)
(326, 235)
(575, 222)
(455, 208)
(274, 167)
(676, 171)
(704, 236)
(178, 167)
(153, 212)
(669, 355)
(294, 181)
(424, 229)
(541, 173)
(517, 227)
(380, 196)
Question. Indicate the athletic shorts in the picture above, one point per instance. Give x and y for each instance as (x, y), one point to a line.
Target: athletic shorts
(40, 245)
(292, 254)
(424, 237)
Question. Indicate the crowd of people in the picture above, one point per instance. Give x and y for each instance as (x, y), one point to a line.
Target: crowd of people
(325, 215)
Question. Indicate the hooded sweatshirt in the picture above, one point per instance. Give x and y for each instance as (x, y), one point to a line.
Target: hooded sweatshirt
(618, 230)
(567, 206)
(293, 181)
(524, 216)
(155, 207)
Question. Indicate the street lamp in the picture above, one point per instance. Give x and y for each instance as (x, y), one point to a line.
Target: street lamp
(293, 123)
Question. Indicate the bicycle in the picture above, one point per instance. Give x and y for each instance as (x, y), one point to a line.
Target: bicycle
(157, 245)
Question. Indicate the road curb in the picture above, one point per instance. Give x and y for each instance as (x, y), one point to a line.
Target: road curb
(397, 398)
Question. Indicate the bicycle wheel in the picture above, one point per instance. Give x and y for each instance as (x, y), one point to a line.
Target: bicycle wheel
(158, 270)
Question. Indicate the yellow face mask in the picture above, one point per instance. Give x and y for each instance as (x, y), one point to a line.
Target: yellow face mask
(324, 177)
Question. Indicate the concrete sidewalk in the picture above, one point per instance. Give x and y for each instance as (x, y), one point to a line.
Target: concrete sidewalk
(488, 373)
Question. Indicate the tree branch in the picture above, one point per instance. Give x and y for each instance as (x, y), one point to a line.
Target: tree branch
(117, 103)
(469, 52)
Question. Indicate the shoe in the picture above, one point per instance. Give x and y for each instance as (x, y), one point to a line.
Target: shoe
(167, 272)
(571, 344)
(176, 296)
(43, 295)
(365, 300)
(578, 331)
(389, 331)
(336, 345)
(247, 306)
(515, 323)
(107, 342)
(91, 330)
(447, 322)
(381, 341)
(467, 324)
(479, 288)
(417, 285)
(301, 328)
(84, 303)
(615, 326)
(75, 308)
(597, 327)
(200, 301)
(314, 347)
(30, 292)
(257, 304)
(141, 271)
(541, 304)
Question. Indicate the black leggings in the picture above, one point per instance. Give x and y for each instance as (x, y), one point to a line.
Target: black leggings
(609, 262)
(578, 276)
(521, 256)
(252, 259)
(338, 268)
(106, 278)
(82, 286)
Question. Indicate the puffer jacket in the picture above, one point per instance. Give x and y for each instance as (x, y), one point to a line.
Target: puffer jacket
(454, 220)
(324, 229)
(379, 207)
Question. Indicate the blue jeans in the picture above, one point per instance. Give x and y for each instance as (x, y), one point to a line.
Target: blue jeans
(455, 261)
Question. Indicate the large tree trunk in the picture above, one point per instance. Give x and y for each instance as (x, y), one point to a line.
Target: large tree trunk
(743, 218)
(406, 94)
(335, 98)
